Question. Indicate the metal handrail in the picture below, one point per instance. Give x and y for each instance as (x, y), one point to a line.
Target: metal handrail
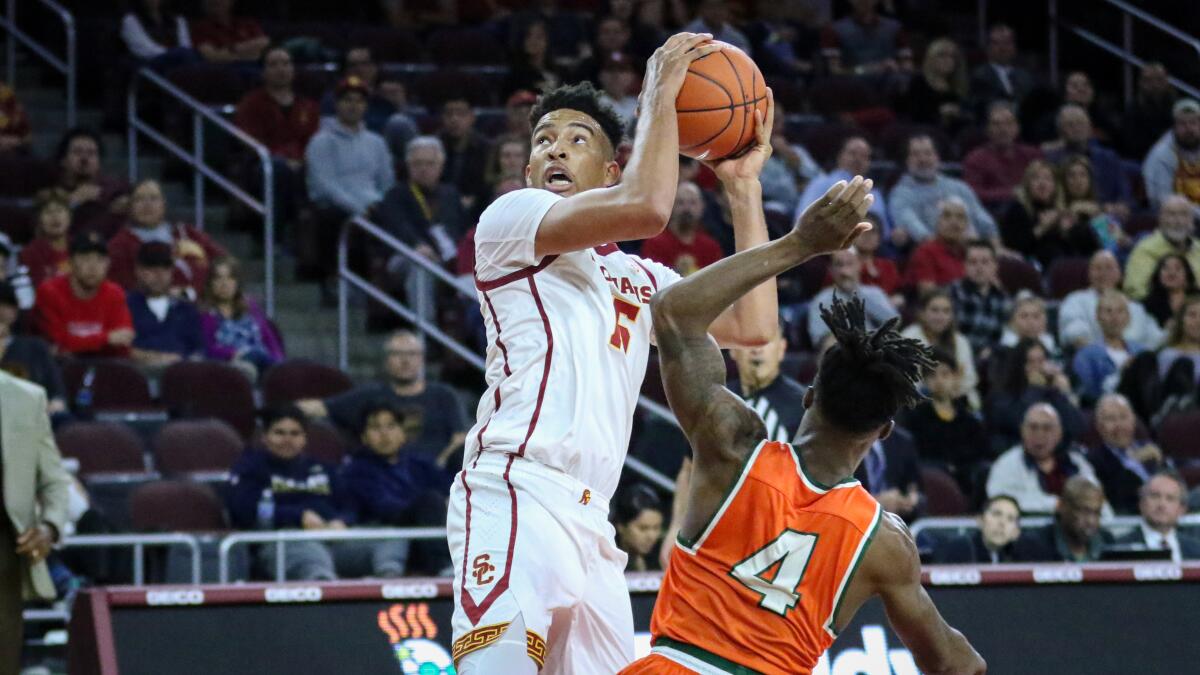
(139, 542)
(348, 278)
(65, 66)
(1125, 52)
(280, 538)
(201, 170)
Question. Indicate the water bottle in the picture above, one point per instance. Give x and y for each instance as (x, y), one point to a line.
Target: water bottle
(83, 397)
(23, 288)
(266, 510)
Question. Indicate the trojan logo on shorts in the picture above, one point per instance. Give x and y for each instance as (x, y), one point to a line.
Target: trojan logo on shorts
(586, 498)
(482, 569)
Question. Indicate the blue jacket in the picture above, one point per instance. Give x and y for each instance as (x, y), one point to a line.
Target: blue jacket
(179, 333)
(377, 491)
(1092, 366)
(297, 485)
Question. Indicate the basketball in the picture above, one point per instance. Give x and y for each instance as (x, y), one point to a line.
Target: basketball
(716, 105)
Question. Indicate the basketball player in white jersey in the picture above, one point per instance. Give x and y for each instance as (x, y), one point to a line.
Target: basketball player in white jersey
(538, 580)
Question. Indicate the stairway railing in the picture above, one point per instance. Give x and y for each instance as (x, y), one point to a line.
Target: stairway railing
(64, 64)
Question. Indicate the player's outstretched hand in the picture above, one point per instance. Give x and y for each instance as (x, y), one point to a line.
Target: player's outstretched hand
(835, 220)
(748, 165)
(667, 67)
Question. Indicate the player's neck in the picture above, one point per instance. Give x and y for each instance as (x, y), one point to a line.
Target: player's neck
(828, 459)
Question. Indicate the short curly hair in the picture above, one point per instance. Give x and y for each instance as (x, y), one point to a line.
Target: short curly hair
(584, 98)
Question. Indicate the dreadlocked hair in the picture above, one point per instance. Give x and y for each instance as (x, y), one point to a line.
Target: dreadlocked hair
(584, 98)
(866, 376)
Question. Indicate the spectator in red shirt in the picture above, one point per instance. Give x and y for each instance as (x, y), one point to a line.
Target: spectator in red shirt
(941, 260)
(284, 122)
(876, 270)
(81, 313)
(684, 246)
(220, 37)
(15, 133)
(194, 250)
(46, 256)
(97, 202)
(994, 170)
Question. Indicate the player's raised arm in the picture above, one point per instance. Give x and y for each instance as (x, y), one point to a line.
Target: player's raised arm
(892, 570)
(639, 205)
(692, 368)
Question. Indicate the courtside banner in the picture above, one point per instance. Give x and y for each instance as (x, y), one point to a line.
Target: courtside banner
(1064, 619)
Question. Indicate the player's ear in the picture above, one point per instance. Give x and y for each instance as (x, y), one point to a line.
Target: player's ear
(612, 173)
(528, 175)
(808, 398)
(886, 430)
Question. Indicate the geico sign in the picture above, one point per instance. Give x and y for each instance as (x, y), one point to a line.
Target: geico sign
(1058, 575)
(644, 584)
(401, 591)
(293, 594)
(190, 596)
(951, 577)
(1158, 572)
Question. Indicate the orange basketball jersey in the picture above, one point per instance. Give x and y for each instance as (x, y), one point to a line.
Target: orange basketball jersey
(758, 589)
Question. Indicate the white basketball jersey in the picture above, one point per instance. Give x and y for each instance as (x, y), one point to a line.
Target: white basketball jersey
(568, 339)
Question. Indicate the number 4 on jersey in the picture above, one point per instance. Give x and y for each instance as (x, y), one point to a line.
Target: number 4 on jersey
(791, 550)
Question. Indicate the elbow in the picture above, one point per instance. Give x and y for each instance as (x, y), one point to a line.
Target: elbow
(652, 217)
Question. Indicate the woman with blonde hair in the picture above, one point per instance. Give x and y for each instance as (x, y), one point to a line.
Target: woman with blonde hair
(1081, 200)
(938, 95)
(1036, 208)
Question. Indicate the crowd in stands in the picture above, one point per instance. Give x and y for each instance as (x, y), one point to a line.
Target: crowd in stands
(1048, 256)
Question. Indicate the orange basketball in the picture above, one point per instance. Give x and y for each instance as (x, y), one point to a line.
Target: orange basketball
(717, 102)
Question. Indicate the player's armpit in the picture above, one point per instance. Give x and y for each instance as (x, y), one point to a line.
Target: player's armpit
(596, 217)
(892, 570)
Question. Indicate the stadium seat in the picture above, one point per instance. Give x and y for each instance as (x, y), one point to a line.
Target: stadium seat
(434, 88)
(116, 385)
(831, 96)
(823, 141)
(1177, 437)
(389, 44)
(942, 494)
(176, 506)
(102, 447)
(1067, 275)
(325, 442)
(1017, 275)
(465, 45)
(296, 379)
(195, 446)
(1140, 223)
(23, 176)
(208, 389)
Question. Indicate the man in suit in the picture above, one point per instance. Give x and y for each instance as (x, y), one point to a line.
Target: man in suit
(1000, 78)
(993, 542)
(1075, 534)
(1163, 502)
(33, 490)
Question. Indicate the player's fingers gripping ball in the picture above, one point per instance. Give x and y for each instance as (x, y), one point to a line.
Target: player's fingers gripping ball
(716, 104)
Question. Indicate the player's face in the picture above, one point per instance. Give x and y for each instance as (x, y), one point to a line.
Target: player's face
(640, 534)
(1162, 503)
(570, 154)
(999, 524)
(285, 438)
(384, 435)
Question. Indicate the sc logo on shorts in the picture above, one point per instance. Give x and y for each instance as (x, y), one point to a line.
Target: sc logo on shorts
(482, 569)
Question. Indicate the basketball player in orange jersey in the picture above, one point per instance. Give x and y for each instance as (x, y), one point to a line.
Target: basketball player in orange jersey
(780, 546)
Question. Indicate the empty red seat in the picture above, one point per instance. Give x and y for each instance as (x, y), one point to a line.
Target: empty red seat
(297, 379)
(195, 446)
(207, 389)
(1017, 275)
(176, 506)
(102, 447)
(1067, 275)
(325, 442)
(942, 494)
(116, 385)
(1178, 436)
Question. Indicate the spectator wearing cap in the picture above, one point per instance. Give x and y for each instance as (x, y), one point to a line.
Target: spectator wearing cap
(98, 202)
(29, 352)
(684, 246)
(221, 37)
(15, 132)
(1077, 324)
(1075, 138)
(464, 149)
(1000, 78)
(915, 202)
(1176, 233)
(712, 16)
(994, 170)
(516, 113)
(940, 261)
(385, 484)
(853, 159)
(167, 327)
(1173, 165)
(192, 248)
(83, 313)
(1152, 112)
(617, 79)
(1162, 501)
(46, 255)
(157, 36)
(386, 99)
(349, 172)
(865, 43)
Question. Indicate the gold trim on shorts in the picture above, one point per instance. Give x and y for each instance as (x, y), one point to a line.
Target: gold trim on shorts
(535, 645)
